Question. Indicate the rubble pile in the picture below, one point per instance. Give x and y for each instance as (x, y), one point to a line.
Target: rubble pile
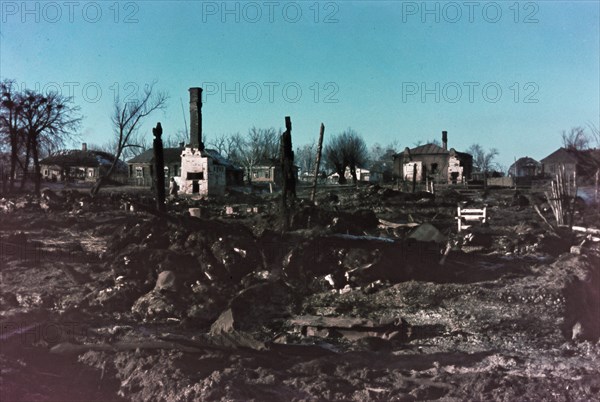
(372, 293)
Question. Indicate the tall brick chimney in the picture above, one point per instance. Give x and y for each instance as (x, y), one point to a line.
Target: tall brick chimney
(84, 147)
(196, 118)
(445, 140)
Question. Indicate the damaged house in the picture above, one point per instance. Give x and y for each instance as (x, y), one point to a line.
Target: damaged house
(81, 165)
(141, 167)
(204, 171)
(432, 162)
(195, 169)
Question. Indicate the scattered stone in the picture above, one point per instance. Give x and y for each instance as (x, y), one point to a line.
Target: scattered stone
(154, 305)
(166, 282)
(426, 232)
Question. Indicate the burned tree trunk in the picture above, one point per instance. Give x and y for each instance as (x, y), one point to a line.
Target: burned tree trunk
(159, 165)
(319, 147)
(414, 178)
(287, 172)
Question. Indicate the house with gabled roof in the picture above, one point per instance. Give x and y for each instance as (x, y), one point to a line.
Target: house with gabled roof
(141, 167)
(562, 156)
(81, 165)
(434, 163)
(585, 162)
(525, 167)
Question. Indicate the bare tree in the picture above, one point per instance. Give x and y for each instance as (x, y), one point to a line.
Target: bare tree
(125, 120)
(334, 156)
(226, 145)
(12, 134)
(257, 146)
(483, 161)
(305, 157)
(355, 151)
(102, 148)
(576, 139)
(595, 136)
(347, 149)
(174, 140)
(220, 143)
(138, 143)
(47, 121)
(381, 158)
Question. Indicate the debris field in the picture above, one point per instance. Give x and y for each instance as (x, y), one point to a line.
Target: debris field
(370, 294)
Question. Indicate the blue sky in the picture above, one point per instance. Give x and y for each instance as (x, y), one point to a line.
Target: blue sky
(510, 75)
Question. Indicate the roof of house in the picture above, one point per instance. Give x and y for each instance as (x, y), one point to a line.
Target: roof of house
(79, 158)
(428, 149)
(525, 161)
(587, 161)
(432, 149)
(170, 155)
(561, 155)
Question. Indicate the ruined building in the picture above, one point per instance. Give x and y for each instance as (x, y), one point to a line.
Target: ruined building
(204, 171)
(141, 167)
(432, 162)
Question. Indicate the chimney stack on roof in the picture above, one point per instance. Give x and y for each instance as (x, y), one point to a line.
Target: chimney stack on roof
(196, 118)
(84, 146)
(445, 140)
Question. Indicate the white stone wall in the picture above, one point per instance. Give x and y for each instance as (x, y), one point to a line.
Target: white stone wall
(213, 181)
(454, 166)
(409, 170)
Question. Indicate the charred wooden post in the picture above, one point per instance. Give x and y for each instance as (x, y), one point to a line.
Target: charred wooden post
(287, 171)
(159, 168)
(414, 178)
(318, 163)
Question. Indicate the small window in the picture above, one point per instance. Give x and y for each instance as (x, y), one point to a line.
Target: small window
(139, 171)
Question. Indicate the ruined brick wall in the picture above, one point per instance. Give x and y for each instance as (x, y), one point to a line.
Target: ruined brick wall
(200, 175)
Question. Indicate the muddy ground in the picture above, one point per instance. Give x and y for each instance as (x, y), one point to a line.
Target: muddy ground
(102, 299)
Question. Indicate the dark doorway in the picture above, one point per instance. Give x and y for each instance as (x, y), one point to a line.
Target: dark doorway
(454, 177)
(195, 187)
